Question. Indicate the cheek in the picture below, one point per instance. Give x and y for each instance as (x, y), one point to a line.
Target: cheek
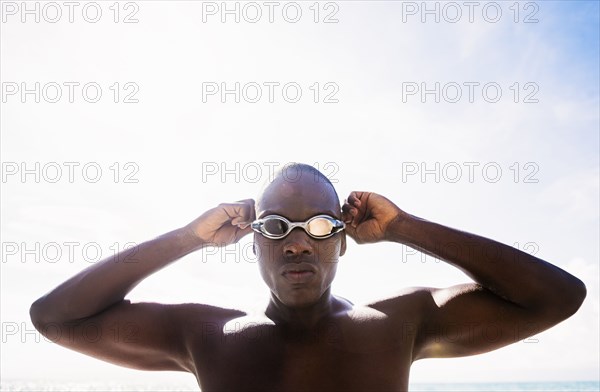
(329, 254)
(263, 249)
(264, 252)
(329, 251)
(264, 273)
(330, 271)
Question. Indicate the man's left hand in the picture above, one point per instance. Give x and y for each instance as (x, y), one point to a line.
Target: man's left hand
(368, 216)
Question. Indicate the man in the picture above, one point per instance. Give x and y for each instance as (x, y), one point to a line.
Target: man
(307, 339)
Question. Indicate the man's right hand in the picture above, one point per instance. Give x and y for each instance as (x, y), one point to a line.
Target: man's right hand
(225, 224)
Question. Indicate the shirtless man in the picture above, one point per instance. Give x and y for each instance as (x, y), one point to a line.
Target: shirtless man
(307, 339)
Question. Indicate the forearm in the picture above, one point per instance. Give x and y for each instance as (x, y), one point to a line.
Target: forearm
(510, 273)
(107, 282)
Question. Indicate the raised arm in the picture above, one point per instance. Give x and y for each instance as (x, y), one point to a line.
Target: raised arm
(88, 312)
(515, 295)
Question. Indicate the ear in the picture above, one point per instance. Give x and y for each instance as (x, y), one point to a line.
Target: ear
(343, 248)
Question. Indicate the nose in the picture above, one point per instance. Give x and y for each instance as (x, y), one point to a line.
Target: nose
(297, 244)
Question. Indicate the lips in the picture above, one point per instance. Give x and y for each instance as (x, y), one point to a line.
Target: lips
(299, 273)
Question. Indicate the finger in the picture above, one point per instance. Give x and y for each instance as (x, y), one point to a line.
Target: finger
(351, 231)
(243, 209)
(359, 214)
(348, 213)
(242, 232)
(356, 207)
(244, 225)
(239, 221)
(355, 198)
(352, 198)
(346, 217)
(353, 201)
(250, 208)
(347, 208)
(249, 202)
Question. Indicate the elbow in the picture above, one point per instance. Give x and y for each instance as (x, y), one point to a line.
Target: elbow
(36, 313)
(571, 298)
(40, 314)
(562, 300)
(579, 294)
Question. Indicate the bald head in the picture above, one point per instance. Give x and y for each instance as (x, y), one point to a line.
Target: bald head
(297, 190)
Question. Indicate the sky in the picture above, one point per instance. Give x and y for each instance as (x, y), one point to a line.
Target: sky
(121, 121)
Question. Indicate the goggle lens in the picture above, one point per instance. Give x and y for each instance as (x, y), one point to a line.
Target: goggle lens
(319, 227)
(275, 226)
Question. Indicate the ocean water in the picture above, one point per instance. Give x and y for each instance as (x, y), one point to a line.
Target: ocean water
(511, 386)
(93, 386)
(574, 386)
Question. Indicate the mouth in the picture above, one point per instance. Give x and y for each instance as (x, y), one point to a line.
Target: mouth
(299, 273)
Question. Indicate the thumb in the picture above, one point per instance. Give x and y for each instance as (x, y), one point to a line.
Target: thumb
(242, 232)
(240, 221)
(351, 231)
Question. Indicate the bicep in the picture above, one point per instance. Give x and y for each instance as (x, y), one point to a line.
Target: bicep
(468, 319)
(145, 336)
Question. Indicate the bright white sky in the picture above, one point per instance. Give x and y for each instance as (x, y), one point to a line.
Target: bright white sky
(170, 149)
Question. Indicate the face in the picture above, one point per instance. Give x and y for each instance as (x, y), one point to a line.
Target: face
(298, 269)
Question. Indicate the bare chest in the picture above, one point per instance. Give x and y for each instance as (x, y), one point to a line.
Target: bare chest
(340, 355)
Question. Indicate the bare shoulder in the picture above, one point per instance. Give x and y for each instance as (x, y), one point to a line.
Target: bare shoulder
(177, 316)
(405, 303)
(402, 309)
(144, 335)
(190, 312)
(418, 305)
(194, 320)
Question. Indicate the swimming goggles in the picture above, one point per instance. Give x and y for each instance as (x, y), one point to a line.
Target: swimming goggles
(277, 227)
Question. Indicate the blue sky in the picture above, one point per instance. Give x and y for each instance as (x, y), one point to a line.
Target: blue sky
(366, 140)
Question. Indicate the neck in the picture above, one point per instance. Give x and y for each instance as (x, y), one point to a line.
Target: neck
(305, 317)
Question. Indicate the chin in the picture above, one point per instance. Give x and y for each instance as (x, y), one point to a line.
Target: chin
(299, 299)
